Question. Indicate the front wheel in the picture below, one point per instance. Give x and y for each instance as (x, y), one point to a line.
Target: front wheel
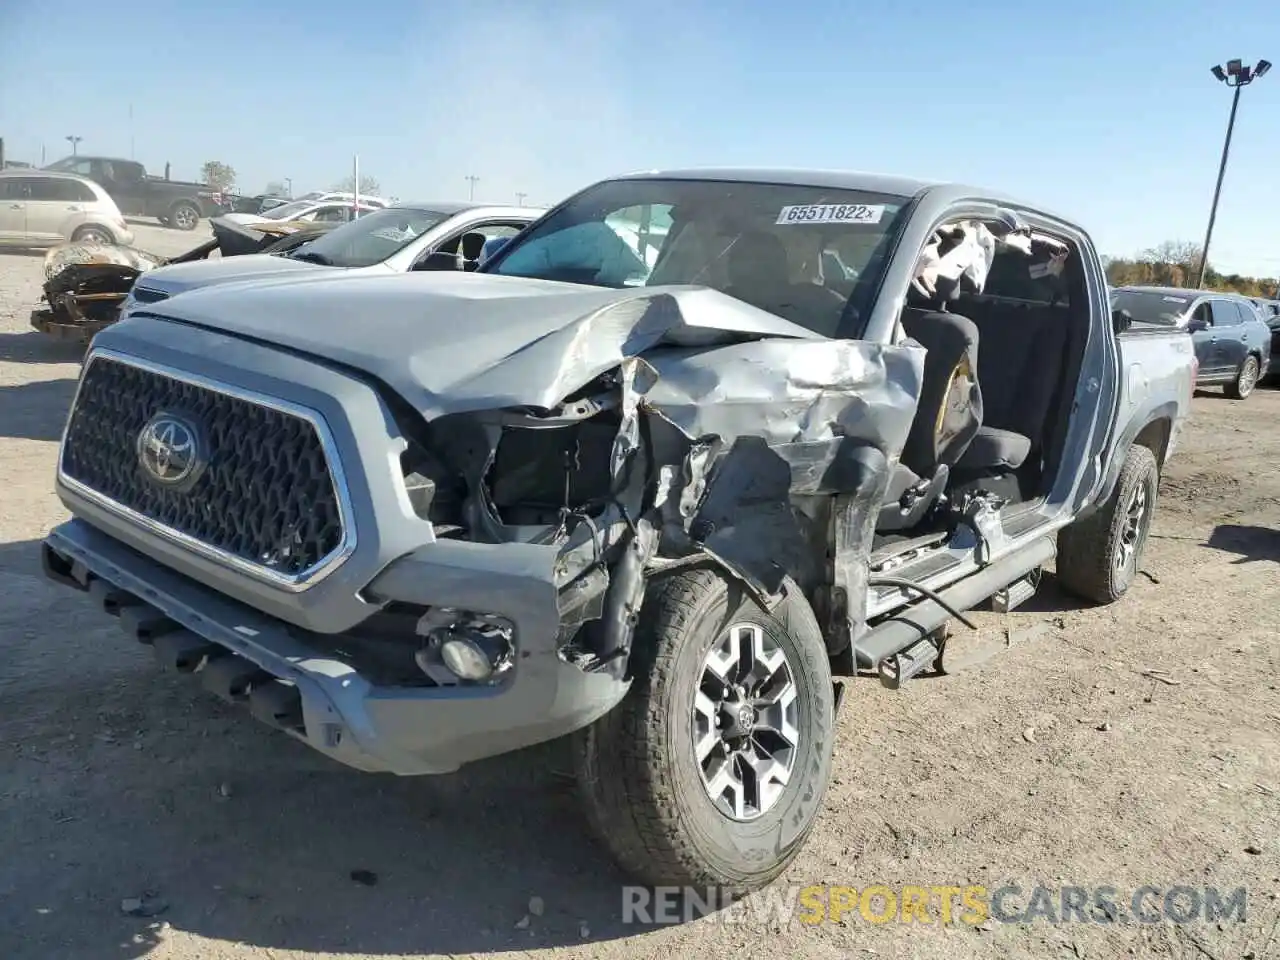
(92, 234)
(711, 772)
(184, 215)
(1098, 556)
(1246, 379)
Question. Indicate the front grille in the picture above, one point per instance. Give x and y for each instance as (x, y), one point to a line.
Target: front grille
(147, 295)
(266, 496)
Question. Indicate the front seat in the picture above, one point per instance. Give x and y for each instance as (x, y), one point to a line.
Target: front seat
(760, 274)
(472, 249)
(948, 415)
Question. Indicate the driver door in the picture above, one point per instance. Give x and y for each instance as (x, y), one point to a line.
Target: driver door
(1205, 339)
(13, 209)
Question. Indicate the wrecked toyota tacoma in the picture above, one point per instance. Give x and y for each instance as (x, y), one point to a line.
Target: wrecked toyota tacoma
(688, 448)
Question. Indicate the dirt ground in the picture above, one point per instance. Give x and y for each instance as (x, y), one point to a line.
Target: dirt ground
(1057, 761)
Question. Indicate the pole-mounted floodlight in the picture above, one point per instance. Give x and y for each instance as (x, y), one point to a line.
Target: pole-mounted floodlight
(1236, 75)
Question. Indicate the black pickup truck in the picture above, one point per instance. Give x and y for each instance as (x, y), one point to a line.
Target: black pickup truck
(176, 203)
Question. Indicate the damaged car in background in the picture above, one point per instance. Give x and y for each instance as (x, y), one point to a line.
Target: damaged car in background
(86, 283)
(404, 238)
(656, 500)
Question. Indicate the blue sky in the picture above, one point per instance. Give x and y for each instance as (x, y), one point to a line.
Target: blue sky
(1103, 110)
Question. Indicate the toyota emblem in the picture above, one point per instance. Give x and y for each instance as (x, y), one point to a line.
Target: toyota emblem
(169, 450)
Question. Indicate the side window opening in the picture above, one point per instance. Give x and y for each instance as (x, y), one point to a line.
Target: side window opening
(1224, 313)
(1020, 301)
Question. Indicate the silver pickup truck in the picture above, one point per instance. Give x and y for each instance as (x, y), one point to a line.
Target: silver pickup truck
(652, 477)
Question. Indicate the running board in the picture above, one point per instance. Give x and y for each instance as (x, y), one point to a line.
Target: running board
(920, 656)
(1014, 595)
(921, 620)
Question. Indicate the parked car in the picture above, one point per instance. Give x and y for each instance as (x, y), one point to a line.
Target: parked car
(420, 520)
(1233, 343)
(1270, 310)
(345, 195)
(436, 235)
(175, 203)
(336, 211)
(42, 209)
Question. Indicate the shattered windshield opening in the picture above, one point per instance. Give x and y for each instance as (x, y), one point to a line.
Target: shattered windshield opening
(804, 253)
(1147, 306)
(370, 239)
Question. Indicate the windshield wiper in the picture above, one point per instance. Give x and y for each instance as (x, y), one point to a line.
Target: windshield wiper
(310, 256)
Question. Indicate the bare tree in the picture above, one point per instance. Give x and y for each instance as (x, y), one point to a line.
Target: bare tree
(368, 184)
(219, 175)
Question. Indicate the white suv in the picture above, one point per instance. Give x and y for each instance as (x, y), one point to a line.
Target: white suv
(41, 208)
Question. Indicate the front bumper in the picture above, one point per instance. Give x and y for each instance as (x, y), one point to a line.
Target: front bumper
(48, 323)
(321, 699)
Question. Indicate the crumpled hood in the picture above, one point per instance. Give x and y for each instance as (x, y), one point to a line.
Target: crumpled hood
(451, 342)
(178, 278)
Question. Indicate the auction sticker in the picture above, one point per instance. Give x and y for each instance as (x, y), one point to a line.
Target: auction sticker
(831, 213)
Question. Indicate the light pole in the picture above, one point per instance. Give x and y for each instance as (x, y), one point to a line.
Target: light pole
(520, 199)
(472, 179)
(73, 141)
(1236, 75)
(288, 182)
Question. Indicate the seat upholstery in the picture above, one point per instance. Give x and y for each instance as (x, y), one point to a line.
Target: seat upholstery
(1020, 369)
(995, 449)
(759, 274)
(950, 409)
(948, 415)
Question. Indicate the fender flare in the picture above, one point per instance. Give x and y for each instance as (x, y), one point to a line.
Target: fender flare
(1148, 415)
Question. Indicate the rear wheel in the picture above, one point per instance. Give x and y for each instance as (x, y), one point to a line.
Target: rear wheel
(1246, 379)
(712, 770)
(1099, 556)
(184, 215)
(92, 234)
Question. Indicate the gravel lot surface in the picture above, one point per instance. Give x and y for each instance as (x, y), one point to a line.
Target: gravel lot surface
(1055, 762)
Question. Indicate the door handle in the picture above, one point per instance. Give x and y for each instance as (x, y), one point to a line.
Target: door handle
(15, 206)
(73, 208)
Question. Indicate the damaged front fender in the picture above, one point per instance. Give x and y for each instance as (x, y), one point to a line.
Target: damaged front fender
(753, 450)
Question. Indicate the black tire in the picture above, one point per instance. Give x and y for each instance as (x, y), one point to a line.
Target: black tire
(1093, 562)
(636, 769)
(184, 215)
(1246, 379)
(90, 233)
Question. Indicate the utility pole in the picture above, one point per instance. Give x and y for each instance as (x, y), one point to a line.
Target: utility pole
(1236, 75)
(520, 199)
(74, 140)
(473, 180)
(132, 156)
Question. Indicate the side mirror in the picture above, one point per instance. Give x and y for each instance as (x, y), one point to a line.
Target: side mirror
(438, 260)
(1121, 320)
(1196, 324)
